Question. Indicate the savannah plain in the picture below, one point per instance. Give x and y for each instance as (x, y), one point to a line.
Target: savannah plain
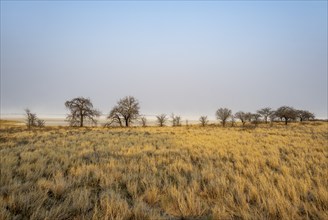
(188, 172)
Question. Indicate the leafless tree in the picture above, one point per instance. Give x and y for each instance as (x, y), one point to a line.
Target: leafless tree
(203, 120)
(287, 113)
(265, 112)
(223, 114)
(304, 115)
(176, 120)
(161, 119)
(81, 109)
(125, 112)
(233, 120)
(143, 121)
(241, 116)
(32, 120)
(40, 123)
(173, 120)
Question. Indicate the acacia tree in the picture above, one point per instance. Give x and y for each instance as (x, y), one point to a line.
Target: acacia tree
(203, 120)
(241, 116)
(223, 114)
(125, 112)
(287, 113)
(265, 112)
(161, 119)
(81, 109)
(304, 115)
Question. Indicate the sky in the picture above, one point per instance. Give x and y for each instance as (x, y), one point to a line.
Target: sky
(183, 57)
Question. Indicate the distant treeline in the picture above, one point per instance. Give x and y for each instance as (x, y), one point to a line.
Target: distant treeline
(127, 111)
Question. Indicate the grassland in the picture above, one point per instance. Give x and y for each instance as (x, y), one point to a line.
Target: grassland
(268, 172)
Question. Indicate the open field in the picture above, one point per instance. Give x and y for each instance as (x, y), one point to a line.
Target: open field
(277, 172)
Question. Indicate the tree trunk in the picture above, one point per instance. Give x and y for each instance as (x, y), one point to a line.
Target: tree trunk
(286, 120)
(81, 121)
(127, 122)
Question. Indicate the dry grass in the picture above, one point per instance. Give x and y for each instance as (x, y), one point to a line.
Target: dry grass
(268, 172)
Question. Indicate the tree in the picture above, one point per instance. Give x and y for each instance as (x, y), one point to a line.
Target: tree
(187, 123)
(241, 116)
(81, 109)
(115, 117)
(248, 116)
(233, 120)
(265, 112)
(287, 113)
(143, 121)
(125, 112)
(32, 120)
(273, 116)
(40, 123)
(256, 118)
(161, 119)
(203, 120)
(304, 115)
(223, 114)
(176, 120)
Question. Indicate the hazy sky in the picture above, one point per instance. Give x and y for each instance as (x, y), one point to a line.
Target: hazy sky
(185, 57)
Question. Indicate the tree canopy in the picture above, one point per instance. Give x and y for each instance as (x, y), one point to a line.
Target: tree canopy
(81, 109)
(223, 114)
(125, 111)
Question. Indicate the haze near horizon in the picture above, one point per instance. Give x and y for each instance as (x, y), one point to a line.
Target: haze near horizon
(187, 57)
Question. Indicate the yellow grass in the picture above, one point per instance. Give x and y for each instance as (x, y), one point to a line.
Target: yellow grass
(277, 172)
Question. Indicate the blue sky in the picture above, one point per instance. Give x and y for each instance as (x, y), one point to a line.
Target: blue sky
(186, 57)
